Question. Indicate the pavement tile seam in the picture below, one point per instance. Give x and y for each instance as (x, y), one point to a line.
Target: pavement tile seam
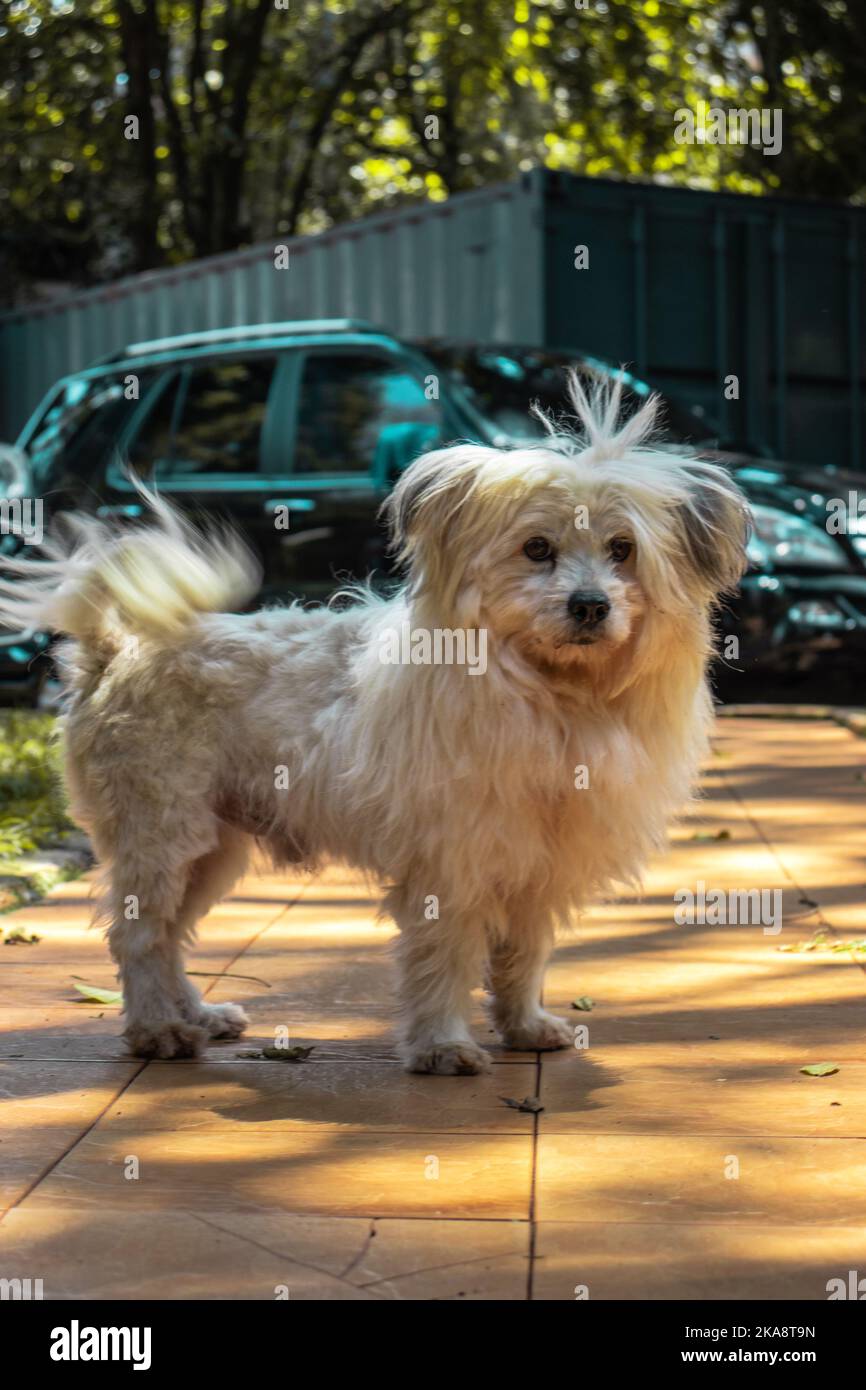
(49, 1168)
(55, 1162)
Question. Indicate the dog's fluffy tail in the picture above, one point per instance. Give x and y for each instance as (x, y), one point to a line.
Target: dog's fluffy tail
(94, 580)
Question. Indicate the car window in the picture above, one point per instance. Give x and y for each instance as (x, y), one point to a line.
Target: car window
(361, 413)
(208, 420)
(150, 450)
(83, 423)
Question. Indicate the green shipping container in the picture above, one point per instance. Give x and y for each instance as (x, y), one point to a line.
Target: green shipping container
(691, 289)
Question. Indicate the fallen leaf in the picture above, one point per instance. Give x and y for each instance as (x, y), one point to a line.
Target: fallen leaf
(821, 942)
(816, 942)
(286, 1054)
(584, 1003)
(712, 835)
(529, 1104)
(94, 995)
(820, 1069)
(278, 1054)
(20, 938)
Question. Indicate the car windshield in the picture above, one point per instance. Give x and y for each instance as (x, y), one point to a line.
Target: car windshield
(69, 411)
(503, 383)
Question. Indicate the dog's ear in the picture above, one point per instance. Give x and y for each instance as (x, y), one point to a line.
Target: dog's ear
(431, 488)
(715, 525)
(426, 514)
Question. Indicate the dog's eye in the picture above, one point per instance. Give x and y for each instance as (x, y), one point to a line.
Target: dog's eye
(539, 549)
(620, 549)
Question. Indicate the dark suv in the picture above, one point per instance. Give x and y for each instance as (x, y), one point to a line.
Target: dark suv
(296, 432)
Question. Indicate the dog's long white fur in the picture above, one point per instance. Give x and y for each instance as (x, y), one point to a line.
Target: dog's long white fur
(190, 731)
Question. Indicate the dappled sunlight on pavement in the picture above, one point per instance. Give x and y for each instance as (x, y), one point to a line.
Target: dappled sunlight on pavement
(681, 1151)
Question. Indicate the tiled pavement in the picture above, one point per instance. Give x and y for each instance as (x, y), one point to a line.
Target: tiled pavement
(682, 1154)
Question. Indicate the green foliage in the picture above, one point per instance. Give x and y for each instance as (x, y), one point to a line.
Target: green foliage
(256, 120)
(32, 802)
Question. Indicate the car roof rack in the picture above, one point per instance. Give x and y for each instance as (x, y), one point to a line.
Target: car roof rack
(246, 330)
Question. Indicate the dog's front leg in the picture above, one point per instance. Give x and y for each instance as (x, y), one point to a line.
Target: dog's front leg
(516, 976)
(157, 998)
(439, 962)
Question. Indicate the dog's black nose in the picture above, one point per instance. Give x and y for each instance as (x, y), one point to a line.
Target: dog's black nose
(588, 607)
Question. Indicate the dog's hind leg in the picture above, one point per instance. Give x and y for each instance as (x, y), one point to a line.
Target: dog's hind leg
(153, 908)
(211, 878)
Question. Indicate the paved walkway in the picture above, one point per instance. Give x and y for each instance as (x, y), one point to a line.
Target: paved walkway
(683, 1154)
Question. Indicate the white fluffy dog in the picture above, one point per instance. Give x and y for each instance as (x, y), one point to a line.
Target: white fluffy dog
(492, 803)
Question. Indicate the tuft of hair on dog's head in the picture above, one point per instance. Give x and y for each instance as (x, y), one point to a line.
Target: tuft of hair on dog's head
(596, 404)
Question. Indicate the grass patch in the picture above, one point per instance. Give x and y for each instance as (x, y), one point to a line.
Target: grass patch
(34, 812)
(34, 815)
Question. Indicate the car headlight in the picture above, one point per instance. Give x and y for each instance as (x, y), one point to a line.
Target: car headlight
(782, 540)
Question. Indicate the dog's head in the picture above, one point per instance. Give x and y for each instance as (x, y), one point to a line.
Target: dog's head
(575, 549)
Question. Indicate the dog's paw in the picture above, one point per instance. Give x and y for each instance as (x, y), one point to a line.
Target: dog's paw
(543, 1033)
(449, 1059)
(176, 1038)
(223, 1020)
